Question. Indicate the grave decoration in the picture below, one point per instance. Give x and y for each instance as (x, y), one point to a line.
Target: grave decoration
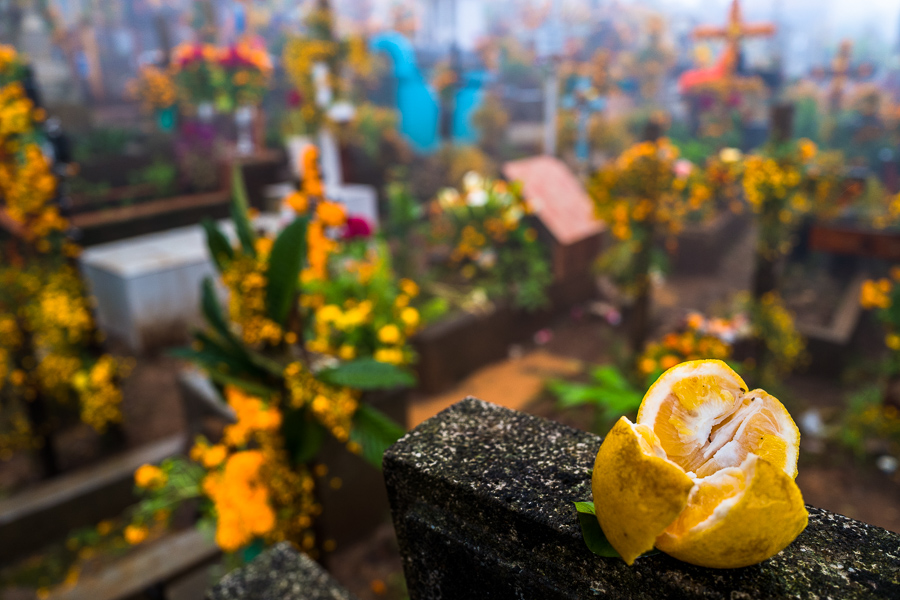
(156, 91)
(50, 357)
(328, 73)
(883, 296)
(308, 328)
(669, 482)
(491, 250)
(645, 196)
(783, 184)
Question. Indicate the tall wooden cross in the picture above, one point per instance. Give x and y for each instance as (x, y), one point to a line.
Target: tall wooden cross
(733, 34)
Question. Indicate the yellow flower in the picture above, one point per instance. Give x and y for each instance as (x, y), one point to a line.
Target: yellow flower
(409, 287)
(389, 334)
(135, 534)
(892, 341)
(150, 477)
(668, 361)
(410, 317)
(347, 352)
(647, 366)
(392, 356)
(875, 294)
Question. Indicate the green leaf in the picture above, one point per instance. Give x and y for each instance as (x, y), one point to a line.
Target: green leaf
(367, 374)
(571, 395)
(375, 432)
(285, 264)
(239, 211)
(209, 303)
(609, 376)
(302, 435)
(593, 535)
(219, 246)
(256, 389)
(585, 507)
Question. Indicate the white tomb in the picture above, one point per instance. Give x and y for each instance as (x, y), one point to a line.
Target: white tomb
(147, 288)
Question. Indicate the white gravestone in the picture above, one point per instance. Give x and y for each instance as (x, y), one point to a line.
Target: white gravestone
(147, 288)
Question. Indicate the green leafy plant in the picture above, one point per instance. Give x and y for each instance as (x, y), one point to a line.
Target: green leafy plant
(609, 392)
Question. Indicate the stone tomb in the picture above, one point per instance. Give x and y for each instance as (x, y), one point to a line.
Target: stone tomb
(148, 288)
(482, 503)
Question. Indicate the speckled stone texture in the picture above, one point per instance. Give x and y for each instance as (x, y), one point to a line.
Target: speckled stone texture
(482, 504)
(280, 573)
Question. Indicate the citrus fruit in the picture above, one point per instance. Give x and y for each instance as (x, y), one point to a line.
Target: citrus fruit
(706, 474)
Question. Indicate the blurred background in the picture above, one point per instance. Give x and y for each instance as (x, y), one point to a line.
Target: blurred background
(246, 244)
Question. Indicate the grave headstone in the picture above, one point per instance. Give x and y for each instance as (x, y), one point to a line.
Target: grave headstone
(565, 213)
(148, 287)
(482, 499)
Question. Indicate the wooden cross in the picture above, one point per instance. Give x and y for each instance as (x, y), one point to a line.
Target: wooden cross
(733, 34)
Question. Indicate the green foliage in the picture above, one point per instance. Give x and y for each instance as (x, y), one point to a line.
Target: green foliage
(162, 175)
(374, 432)
(610, 393)
(219, 246)
(285, 263)
(593, 534)
(367, 374)
(868, 423)
(240, 212)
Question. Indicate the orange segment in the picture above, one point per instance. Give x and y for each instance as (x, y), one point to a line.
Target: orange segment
(633, 511)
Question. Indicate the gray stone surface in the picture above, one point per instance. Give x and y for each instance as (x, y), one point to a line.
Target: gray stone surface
(482, 503)
(280, 573)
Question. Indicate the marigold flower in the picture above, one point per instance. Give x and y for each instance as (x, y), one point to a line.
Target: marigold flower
(150, 477)
(389, 334)
(135, 534)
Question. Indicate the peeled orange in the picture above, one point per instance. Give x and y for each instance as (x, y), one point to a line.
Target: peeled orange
(706, 474)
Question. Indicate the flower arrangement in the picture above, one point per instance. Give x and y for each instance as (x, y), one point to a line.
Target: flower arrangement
(491, 245)
(196, 73)
(646, 195)
(48, 345)
(700, 338)
(247, 71)
(226, 76)
(154, 87)
(361, 309)
(287, 389)
(883, 296)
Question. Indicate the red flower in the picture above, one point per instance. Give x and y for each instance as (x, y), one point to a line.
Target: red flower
(357, 227)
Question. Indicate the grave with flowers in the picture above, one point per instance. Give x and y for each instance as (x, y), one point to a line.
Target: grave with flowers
(57, 381)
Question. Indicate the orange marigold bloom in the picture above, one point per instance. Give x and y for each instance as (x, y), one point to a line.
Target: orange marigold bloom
(331, 214)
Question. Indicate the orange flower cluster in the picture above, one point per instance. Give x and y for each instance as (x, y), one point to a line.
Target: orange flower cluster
(690, 344)
(252, 416)
(246, 279)
(154, 87)
(326, 214)
(241, 499)
(880, 295)
(648, 186)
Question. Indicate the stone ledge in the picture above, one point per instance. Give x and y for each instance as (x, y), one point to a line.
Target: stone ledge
(482, 504)
(280, 573)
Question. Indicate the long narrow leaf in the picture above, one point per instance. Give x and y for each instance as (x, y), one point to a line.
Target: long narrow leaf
(239, 211)
(375, 432)
(367, 374)
(219, 247)
(285, 264)
(213, 311)
(257, 389)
